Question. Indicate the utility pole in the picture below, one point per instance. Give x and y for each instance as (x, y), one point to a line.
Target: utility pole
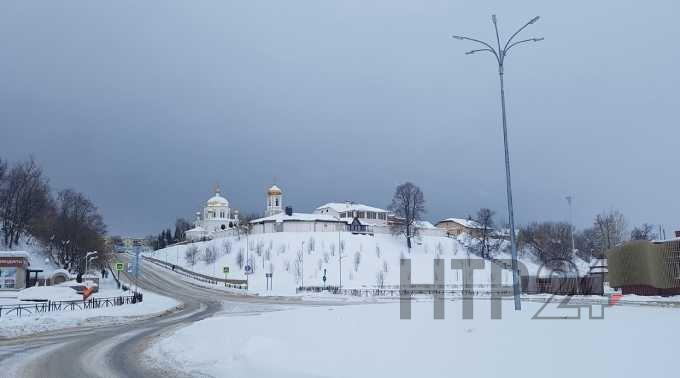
(340, 257)
(571, 223)
(500, 54)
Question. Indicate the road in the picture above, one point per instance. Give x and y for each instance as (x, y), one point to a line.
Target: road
(114, 351)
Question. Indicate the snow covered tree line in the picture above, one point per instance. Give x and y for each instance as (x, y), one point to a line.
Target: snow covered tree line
(66, 223)
(551, 241)
(167, 237)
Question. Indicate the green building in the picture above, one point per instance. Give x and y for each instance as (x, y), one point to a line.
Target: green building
(645, 268)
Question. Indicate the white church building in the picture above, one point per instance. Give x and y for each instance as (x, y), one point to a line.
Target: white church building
(278, 219)
(217, 219)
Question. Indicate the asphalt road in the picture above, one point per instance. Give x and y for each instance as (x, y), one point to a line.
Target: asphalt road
(115, 351)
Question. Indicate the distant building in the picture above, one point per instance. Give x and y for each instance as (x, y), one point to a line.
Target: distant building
(13, 270)
(347, 211)
(425, 228)
(217, 219)
(289, 221)
(458, 226)
(645, 268)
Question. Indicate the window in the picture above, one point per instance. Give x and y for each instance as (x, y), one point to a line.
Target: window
(277, 202)
(8, 278)
(382, 216)
(361, 214)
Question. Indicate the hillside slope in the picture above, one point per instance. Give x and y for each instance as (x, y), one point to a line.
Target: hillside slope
(364, 258)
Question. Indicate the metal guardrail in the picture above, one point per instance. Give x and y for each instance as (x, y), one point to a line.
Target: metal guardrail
(59, 306)
(396, 292)
(234, 284)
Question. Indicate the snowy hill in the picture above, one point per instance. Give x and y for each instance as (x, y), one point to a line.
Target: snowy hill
(39, 258)
(364, 258)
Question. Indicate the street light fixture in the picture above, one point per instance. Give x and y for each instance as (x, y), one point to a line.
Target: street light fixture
(500, 53)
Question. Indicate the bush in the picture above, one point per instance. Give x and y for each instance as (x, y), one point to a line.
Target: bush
(190, 255)
(209, 255)
(240, 258)
(226, 247)
(380, 279)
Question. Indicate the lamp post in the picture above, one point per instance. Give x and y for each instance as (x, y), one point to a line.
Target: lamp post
(340, 256)
(571, 223)
(500, 53)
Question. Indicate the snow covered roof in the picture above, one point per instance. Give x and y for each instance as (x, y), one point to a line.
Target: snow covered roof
(17, 254)
(350, 206)
(467, 223)
(665, 240)
(299, 217)
(274, 190)
(218, 200)
(196, 229)
(425, 224)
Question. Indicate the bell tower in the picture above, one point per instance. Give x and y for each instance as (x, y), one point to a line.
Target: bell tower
(274, 201)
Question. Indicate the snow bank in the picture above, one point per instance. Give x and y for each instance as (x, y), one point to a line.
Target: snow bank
(153, 305)
(49, 293)
(371, 341)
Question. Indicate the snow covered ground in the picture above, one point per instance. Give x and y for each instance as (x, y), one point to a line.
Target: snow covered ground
(153, 305)
(371, 340)
(13, 326)
(365, 259)
(39, 257)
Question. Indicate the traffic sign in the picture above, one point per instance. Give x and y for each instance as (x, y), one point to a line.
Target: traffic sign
(248, 269)
(119, 267)
(225, 270)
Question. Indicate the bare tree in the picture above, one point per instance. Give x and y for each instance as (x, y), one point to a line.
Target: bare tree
(190, 255)
(299, 269)
(79, 223)
(240, 258)
(24, 194)
(643, 232)
(226, 247)
(181, 226)
(483, 240)
(408, 206)
(550, 242)
(209, 255)
(610, 230)
(380, 278)
(586, 243)
(357, 261)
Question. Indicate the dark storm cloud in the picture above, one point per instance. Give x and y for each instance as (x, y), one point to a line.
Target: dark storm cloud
(144, 106)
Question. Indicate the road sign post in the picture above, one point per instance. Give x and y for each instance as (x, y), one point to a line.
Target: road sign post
(324, 278)
(119, 267)
(225, 270)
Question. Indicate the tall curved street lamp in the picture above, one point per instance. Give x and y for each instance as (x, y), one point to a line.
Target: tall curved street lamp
(500, 53)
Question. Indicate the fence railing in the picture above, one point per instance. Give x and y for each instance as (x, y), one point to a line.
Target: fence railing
(59, 306)
(234, 284)
(412, 290)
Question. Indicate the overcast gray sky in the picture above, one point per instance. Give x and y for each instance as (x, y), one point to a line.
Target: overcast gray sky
(143, 106)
